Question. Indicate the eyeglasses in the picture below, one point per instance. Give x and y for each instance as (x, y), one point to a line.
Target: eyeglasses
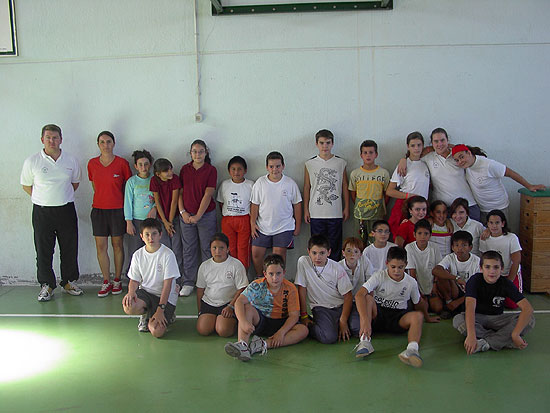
(382, 231)
(199, 152)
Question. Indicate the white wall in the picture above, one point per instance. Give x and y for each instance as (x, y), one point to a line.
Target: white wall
(269, 82)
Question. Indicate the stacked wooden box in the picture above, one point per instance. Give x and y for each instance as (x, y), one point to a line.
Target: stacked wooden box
(534, 236)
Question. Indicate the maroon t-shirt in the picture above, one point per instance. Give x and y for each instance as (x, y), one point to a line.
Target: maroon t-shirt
(194, 183)
(165, 189)
(406, 231)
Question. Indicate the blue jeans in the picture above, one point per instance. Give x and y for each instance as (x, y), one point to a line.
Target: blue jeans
(332, 229)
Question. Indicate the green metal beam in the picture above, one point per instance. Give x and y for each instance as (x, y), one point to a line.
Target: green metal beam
(299, 7)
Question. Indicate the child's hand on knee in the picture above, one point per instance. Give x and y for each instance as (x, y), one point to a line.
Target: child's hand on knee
(519, 342)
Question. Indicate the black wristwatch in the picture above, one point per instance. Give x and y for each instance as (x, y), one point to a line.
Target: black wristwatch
(162, 306)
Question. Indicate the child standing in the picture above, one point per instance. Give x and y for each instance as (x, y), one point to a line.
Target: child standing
(507, 245)
(484, 324)
(387, 309)
(367, 185)
(326, 195)
(198, 212)
(234, 199)
(462, 222)
(152, 290)
(441, 227)
(415, 182)
(423, 255)
(454, 271)
(359, 269)
(268, 306)
(166, 188)
(327, 287)
(220, 281)
(416, 207)
(108, 174)
(275, 211)
(139, 201)
(378, 250)
(485, 179)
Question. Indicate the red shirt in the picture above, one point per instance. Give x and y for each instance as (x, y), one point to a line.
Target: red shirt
(406, 231)
(194, 183)
(109, 182)
(165, 190)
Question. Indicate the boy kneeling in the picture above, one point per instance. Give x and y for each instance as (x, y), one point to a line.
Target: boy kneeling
(269, 306)
(484, 324)
(387, 310)
(152, 289)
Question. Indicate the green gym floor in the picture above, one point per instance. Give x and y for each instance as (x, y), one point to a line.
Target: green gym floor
(83, 354)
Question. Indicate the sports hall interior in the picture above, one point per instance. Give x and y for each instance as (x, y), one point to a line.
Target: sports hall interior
(159, 74)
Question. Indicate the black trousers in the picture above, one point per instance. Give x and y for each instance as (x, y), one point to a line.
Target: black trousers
(50, 223)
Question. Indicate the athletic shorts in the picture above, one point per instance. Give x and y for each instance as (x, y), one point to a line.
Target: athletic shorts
(268, 326)
(152, 302)
(387, 320)
(108, 222)
(210, 309)
(281, 240)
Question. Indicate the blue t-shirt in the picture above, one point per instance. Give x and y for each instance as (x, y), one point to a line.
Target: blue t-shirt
(138, 199)
(273, 306)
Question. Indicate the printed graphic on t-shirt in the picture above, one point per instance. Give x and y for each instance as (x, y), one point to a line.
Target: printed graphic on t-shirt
(326, 191)
(235, 204)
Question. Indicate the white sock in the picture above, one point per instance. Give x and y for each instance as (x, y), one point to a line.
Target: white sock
(413, 345)
(364, 338)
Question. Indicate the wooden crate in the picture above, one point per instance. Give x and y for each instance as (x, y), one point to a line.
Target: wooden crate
(534, 237)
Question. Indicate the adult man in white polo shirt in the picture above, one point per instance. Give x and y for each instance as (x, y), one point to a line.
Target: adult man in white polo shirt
(50, 177)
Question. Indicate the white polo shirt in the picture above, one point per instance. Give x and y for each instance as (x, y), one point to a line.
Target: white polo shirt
(448, 179)
(51, 180)
(485, 180)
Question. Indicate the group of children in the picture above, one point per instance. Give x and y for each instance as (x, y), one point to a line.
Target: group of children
(369, 289)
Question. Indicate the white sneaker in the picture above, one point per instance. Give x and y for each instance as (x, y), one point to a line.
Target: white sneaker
(363, 349)
(238, 350)
(411, 357)
(482, 345)
(257, 345)
(72, 289)
(186, 290)
(46, 293)
(143, 325)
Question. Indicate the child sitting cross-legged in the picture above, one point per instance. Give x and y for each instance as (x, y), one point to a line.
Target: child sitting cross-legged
(326, 285)
(484, 324)
(269, 307)
(382, 306)
(423, 255)
(220, 281)
(453, 272)
(152, 289)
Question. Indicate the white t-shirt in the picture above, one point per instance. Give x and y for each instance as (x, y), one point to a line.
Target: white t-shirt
(448, 179)
(377, 256)
(463, 269)
(390, 293)
(505, 245)
(51, 180)
(362, 273)
(275, 200)
(416, 181)
(326, 285)
(423, 262)
(442, 237)
(151, 269)
(235, 197)
(475, 228)
(485, 180)
(221, 280)
(325, 177)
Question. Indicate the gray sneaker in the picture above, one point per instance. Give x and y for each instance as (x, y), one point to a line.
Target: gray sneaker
(363, 349)
(482, 345)
(72, 289)
(411, 357)
(257, 345)
(238, 350)
(143, 325)
(46, 293)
